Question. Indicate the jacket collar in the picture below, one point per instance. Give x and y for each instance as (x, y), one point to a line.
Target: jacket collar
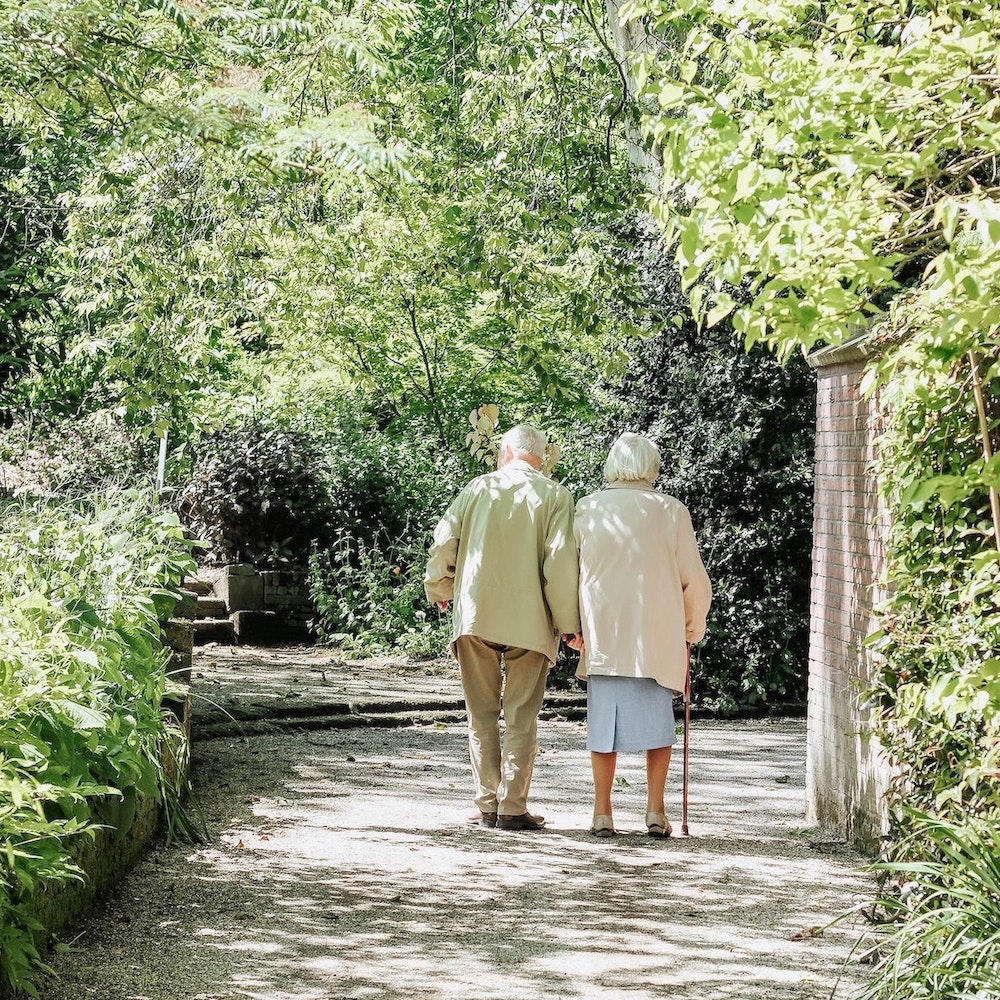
(633, 484)
(519, 463)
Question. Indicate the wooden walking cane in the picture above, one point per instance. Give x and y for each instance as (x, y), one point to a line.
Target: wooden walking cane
(687, 744)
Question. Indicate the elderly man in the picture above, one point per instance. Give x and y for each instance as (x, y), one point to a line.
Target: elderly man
(504, 552)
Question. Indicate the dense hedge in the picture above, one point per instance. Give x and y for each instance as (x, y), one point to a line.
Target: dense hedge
(736, 432)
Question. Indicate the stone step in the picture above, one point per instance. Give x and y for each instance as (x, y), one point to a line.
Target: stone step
(200, 587)
(187, 606)
(211, 607)
(257, 628)
(218, 630)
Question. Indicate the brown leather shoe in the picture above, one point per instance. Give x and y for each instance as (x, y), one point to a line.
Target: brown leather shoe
(483, 818)
(523, 822)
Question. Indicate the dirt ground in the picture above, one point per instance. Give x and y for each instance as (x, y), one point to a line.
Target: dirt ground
(342, 865)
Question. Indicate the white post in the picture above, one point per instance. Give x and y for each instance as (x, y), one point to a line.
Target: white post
(161, 467)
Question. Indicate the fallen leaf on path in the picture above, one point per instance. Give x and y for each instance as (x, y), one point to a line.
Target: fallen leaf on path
(806, 933)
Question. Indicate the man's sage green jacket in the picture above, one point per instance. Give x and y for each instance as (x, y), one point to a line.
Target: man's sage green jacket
(505, 555)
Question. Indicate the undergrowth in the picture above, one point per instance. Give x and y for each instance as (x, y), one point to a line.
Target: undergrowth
(82, 677)
(369, 597)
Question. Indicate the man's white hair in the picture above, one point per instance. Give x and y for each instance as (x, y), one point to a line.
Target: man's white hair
(524, 440)
(632, 458)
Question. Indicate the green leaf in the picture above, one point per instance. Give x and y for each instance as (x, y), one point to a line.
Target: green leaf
(82, 715)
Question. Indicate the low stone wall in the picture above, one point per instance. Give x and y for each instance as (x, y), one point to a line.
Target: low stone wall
(104, 861)
(178, 637)
(286, 593)
(252, 607)
(132, 823)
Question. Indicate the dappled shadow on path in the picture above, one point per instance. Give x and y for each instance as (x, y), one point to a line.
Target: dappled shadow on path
(355, 875)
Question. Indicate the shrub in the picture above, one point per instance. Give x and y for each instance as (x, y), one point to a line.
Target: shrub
(257, 494)
(354, 504)
(76, 455)
(937, 689)
(387, 485)
(736, 436)
(82, 675)
(269, 495)
(369, 597)
(385, 492)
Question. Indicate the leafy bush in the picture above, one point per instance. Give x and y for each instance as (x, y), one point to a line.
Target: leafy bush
(938, 688)
(736, 433)
(370, 598)
(937, 691)
(353, 503)
(74, 455)
(257, 494)
(268, 494)
(82, 674)
(388, 484)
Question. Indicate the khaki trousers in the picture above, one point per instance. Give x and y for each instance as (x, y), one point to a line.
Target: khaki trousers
(494, 675)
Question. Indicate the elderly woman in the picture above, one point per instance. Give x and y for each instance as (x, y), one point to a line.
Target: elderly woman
(644, 596)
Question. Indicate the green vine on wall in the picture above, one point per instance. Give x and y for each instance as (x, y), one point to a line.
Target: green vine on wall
(938, 689)
(940, 626)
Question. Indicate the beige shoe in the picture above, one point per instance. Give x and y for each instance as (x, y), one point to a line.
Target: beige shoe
(657, 825)
(602, 826)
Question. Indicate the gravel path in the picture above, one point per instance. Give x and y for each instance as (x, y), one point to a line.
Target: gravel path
(342, 865)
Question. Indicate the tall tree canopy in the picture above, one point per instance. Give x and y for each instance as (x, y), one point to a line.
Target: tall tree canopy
(411, 196)
(158, 130)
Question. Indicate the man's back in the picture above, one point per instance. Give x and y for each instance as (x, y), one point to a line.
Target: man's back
(504, 553)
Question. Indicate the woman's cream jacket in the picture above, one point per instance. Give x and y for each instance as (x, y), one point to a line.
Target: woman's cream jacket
(644, 592)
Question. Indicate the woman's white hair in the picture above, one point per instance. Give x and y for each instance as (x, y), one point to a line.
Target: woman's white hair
(523, 439)
(632, 458)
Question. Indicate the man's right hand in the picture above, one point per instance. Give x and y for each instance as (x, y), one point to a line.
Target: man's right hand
(574, 641)
(443, 605)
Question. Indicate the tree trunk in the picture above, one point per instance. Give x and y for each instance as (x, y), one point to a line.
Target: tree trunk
(632, 39)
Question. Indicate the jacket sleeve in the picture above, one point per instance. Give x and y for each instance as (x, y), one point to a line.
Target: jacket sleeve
(694, 580)
(442, 557)
(560, 566)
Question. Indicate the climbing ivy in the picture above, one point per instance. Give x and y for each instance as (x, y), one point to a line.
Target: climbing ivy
(940, 626)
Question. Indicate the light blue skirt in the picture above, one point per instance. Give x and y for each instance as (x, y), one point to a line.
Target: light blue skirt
(628, 714)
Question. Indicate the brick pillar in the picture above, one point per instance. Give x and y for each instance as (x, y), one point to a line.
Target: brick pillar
(846, 774)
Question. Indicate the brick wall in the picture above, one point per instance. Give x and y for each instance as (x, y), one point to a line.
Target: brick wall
(846, 775)
(286, 592)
